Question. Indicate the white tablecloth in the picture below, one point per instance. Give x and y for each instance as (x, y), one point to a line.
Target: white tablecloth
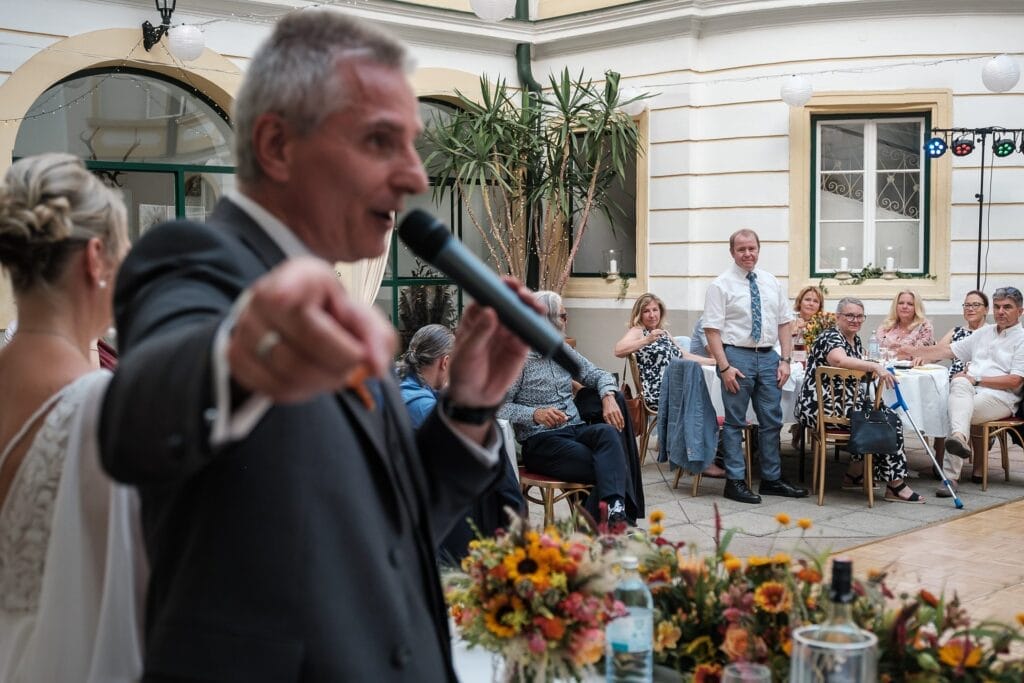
(926, 393)
(790, 391)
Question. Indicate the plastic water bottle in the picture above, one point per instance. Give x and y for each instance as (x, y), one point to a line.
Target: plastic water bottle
(873, 352)
(629, 656)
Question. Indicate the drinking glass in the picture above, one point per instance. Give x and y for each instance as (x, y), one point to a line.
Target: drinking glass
(746, 672)
(823, 654)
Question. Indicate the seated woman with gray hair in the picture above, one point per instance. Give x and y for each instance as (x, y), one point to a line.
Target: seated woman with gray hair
(558, 443)
(841, 347)
(423, 369)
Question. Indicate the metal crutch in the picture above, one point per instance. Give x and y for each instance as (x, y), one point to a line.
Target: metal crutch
(900, 403)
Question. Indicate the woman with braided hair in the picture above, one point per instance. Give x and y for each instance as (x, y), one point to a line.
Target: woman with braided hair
(71, 565)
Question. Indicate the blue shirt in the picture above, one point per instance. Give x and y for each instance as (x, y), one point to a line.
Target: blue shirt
(419, 399)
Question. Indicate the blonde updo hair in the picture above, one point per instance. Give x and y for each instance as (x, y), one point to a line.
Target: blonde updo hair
(51, 206)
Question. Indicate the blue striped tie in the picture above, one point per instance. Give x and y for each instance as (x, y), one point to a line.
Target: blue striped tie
(755, 308)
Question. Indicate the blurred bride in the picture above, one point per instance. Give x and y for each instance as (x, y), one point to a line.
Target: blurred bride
(71, 565)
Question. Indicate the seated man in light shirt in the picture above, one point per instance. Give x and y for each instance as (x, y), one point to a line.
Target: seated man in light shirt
(990, 387)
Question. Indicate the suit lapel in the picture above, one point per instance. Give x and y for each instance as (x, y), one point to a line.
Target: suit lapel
(228, 217)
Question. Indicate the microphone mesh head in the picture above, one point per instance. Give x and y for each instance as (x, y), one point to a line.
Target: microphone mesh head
(423, 234)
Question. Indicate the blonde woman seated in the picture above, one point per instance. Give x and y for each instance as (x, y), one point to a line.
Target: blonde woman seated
(905, 326)
(655, 348)
(809, 301)
(841, 347)
(71, 562)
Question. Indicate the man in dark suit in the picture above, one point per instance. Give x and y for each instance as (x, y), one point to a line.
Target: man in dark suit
(290, 522)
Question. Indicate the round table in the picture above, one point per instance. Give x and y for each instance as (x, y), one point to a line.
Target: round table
(926, 392)
(790, 391)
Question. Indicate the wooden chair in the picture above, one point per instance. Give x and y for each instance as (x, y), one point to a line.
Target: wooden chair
(551, 491)
(650, 416)
(835, 429)
(981, 436)
(748, 435)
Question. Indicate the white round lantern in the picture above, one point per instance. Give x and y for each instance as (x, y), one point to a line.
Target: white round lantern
(493, 10)
(185, 42)
(631, 108)
(796, 91)
(1000, 73)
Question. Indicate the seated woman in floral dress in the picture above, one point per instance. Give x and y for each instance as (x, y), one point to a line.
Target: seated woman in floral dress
(905, 325)
(840, 347)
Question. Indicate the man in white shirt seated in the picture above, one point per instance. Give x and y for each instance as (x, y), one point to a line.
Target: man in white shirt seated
(990, 387)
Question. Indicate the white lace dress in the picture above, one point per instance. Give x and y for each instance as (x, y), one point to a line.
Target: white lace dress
(72, 570)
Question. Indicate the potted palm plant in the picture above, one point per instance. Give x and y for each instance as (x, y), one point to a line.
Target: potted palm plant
(531, 171)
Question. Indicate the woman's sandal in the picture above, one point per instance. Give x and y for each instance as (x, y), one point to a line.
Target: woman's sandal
(851, 483)
(895, 497)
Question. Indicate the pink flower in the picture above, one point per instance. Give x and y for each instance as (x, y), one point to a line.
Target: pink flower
(535, 641)
(587, 646)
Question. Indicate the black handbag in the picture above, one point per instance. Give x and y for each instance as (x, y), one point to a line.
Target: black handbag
(873, 431)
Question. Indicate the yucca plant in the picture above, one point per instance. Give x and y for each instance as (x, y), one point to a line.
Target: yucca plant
(553, 159)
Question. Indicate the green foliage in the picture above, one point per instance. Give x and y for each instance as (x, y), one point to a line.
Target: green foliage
(553, 159)
(420, 305)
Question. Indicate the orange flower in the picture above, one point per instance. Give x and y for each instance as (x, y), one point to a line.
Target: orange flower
(929, 598)
(587, 646)
(781, 558)
(808, 575)
(553, 628)
(772, 597)
(782, 518)
(657, 516)
(787, 646)
(656, 529)
(707, 673)
(758, 561)
(804, 523)
(1020, 618)
(666, 636)
(736, 644)
(692, 567)
(960, 653)
(733, 564)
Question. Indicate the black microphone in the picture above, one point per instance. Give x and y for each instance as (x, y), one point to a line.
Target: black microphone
(432, 241)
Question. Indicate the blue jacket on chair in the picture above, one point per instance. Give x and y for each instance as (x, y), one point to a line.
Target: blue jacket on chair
(687, 424)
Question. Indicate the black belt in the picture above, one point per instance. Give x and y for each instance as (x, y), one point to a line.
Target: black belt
(759, 349)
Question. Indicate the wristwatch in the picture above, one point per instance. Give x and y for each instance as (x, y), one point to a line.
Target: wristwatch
(977, 381)
(473, 416)
(786, 360)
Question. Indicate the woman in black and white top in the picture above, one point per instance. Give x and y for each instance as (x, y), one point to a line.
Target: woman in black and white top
(841, 347)
(976, 316)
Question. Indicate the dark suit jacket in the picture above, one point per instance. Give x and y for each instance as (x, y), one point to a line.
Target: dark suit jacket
(304, 552)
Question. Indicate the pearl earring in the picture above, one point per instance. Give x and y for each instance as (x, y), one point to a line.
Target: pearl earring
(102, 284)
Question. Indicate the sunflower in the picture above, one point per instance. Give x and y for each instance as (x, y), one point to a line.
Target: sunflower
(758, 561)
(502, 610)
(531, 564)
(772, 597)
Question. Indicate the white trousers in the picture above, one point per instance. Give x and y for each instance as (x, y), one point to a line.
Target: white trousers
(966, 408)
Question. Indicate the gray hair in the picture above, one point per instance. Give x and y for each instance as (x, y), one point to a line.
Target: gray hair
(293, 74)
(849, 301)
(1011, 293)
(552, 303)
(51, 206)
(428, 344)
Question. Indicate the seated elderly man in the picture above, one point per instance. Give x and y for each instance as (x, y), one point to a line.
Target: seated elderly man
(990, 387)
(556, 442)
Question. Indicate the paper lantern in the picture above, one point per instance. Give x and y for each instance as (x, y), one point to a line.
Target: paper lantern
(493, 10)
(631, 108)
(1000, 73)
(796, 91)
(185, 42)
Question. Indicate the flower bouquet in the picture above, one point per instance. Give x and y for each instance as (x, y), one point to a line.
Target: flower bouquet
(819, 322)
(715, 609)
(539, 599)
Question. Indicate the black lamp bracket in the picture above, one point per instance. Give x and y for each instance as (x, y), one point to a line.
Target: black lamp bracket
(151, 35)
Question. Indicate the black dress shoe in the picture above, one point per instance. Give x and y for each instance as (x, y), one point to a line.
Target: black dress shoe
(780, 487)
(737, 489)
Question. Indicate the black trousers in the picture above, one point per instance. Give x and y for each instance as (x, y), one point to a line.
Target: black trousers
(588, 454)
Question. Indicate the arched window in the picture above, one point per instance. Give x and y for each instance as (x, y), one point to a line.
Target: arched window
(164, 144)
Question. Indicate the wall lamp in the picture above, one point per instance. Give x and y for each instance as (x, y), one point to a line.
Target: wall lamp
(151, 35)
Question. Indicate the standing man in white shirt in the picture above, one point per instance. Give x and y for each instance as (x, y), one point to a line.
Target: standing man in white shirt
(745, 314)
(990, 387)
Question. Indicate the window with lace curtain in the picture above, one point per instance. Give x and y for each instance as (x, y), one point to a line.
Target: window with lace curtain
(869, 202)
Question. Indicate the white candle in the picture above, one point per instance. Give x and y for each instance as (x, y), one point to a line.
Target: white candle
(844, 263)
(613, 267)
(890, 263)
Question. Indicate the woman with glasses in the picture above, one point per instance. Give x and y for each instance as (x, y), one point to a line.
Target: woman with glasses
(841, 347)
(905, 325)
(976, 316)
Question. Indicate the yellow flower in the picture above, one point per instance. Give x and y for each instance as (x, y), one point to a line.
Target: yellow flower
(733, 564)
(736, 643)
(960, 652)
(804, 523)
(787, 646)
(758, 561)
(532, 564)
(727, 555)
(500, 617)
(781, 558)
(657, 516)
(772, 597)
(666, 636)
(656, 529)
(782, 518)
(1020, 618)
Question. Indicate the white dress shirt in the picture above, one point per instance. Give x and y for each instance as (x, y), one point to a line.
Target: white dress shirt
(990, 352)
(727, 308)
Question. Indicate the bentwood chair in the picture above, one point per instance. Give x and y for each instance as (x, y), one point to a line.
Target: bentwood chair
(551, 490)
(981, 437)
(650, 415)
(748, 449)
(833, 425)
